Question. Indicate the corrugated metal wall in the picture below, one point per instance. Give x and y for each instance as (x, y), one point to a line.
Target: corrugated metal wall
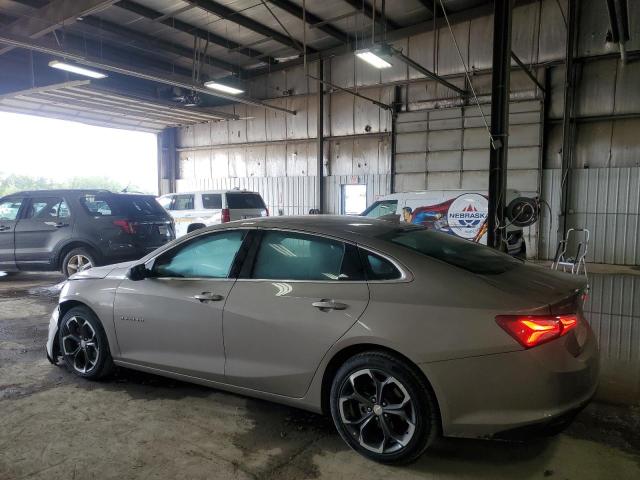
(441, 142)
(448, 148)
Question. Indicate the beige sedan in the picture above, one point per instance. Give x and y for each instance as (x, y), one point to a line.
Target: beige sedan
(398, 332)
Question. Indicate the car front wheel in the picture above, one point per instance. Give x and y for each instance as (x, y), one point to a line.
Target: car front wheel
(83, 344)
(383, 408)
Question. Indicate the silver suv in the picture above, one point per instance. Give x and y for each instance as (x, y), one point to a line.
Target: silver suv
(194, 210)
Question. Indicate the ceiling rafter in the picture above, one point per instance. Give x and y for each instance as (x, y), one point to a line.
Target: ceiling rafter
(231, 15)
(311, 19)
(52, 16)
(157, 44)
(368, 11)
(185, 27)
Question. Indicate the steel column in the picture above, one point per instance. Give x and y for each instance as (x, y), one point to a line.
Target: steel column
(499, 121)
(167, 161)
(568, 126)
(320, 137)
(397, 100)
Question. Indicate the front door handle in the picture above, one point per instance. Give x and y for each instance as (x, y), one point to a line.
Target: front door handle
(208, 297)
(326, 305)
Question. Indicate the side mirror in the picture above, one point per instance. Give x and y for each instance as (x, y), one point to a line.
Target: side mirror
(139, 272)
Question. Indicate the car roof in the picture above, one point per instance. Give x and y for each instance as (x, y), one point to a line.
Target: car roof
(210, 191)
(80, 191)
(59, 191)
(353, 228)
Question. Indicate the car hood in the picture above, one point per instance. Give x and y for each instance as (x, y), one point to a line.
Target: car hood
(537, 284)
(100, 272)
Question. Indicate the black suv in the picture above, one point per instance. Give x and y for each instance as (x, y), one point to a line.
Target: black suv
(71, 230)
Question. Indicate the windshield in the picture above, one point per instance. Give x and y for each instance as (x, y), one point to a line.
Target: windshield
(381, 208)
(140, 205)
(452, 250)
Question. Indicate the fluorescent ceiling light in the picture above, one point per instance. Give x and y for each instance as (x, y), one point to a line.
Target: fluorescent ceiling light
(373, 59)
(223, 88)
(70, 67)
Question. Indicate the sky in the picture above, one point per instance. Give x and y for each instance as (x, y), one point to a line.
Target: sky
(58, 149)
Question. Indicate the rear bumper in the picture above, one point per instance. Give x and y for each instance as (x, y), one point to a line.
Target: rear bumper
(489, 395)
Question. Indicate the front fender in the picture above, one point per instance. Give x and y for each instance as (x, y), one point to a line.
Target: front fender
(97, 295)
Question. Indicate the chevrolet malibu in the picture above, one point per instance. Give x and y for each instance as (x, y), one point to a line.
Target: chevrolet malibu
(400, 333)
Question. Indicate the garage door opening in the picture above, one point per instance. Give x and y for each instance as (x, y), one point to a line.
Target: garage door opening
(354, 199)
(44, 153)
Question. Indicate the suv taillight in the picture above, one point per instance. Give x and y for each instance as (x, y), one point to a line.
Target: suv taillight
(533, 330)
(126, 226)
(226, 216)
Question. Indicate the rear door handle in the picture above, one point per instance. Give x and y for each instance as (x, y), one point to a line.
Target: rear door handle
(326, 305)
(4, 227)
(208, 297)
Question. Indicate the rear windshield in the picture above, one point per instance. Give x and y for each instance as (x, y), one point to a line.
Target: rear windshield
(132, 206)
(244, 200)
(139, 205)
(455, 251)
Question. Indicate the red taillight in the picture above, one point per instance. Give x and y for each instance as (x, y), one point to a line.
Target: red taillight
(532, 330)
(226, 216)
(125, 225)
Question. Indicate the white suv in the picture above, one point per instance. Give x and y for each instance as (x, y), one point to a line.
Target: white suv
(194, 210)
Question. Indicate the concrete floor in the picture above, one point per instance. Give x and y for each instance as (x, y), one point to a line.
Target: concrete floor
(55, 426)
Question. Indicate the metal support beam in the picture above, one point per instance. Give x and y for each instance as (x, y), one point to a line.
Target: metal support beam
(397, 100)
(167, 161)
(568, 126)
(427, 73)
(192, 30)
(499, 122)
(355, 94)
(529, 73)
(320, 138)
(311, 19)
(367, 9)
(100, 63)
(231, 15)
(154, 44)
(52, 16)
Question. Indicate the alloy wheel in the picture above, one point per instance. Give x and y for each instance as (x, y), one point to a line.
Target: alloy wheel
(78, 263)
(377, 410)
(80, 344)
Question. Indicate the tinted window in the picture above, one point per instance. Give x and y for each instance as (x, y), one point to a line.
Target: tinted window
(452, 250)
(208, 256)
(183, 202)
(98, 205)
(296, 256)
(244, 200)
(383, 207)
(9, 209)
(139, 205)
(211, 200)
(378, 268)
(48, 208)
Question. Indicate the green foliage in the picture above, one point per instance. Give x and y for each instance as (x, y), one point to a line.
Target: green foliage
(13, 183)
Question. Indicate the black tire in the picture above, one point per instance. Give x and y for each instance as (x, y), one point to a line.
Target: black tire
(83, 252)
(83, 344)
(423, 410)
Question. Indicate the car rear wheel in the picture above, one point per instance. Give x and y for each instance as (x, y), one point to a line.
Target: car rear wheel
(77, 260)
(83, 344)
(382, 408)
